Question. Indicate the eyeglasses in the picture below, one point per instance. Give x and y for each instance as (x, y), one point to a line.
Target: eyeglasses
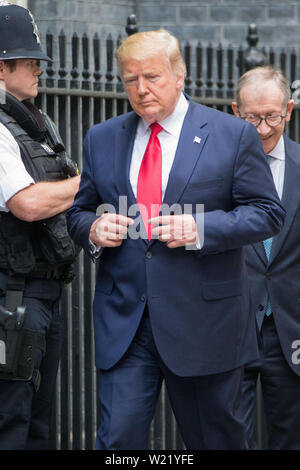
(272, 120)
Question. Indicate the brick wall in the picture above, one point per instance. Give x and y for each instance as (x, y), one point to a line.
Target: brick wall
(208, 21)
(89, 16)
(223, 21)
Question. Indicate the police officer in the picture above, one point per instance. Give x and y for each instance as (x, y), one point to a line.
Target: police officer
(37, 184)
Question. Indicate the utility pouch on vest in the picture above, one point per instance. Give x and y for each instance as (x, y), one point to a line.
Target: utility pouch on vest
(15, 246)
(54, 240)
(18, 347)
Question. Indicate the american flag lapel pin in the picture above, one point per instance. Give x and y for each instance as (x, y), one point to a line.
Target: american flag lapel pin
(196, 140)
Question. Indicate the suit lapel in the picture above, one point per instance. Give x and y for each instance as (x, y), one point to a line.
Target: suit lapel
(260, 250)
(190, 145)
(124, 147)
(289, 198)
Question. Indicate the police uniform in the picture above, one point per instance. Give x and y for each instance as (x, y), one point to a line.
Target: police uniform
(33, 266)
(13, 175)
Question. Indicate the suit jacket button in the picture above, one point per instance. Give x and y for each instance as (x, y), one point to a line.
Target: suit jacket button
(143, 298)
(148, 255)
(268, 276)
(260, 307)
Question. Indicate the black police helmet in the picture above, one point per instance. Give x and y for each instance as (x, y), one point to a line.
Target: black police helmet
(19, 36)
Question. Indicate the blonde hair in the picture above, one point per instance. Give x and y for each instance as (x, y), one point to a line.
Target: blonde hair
(147, 43)
(265, 73)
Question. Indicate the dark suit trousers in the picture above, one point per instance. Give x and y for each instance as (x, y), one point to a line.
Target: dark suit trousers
(281, 393)
(204, 406)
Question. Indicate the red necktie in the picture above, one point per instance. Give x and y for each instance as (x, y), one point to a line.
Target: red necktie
(149, 179)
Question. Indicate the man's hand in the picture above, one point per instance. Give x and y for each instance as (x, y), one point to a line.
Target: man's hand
(110, 230)
(175, 230)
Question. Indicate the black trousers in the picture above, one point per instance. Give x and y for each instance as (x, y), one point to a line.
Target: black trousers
(25, 415)
(280, 390)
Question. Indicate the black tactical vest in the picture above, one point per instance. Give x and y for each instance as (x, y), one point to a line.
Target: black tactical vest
(41, 249)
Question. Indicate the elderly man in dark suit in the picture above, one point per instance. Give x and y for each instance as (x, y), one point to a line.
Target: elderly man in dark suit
(169, 305)
(263, 98)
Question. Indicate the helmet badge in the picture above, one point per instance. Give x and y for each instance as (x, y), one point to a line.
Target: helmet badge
(35, 28)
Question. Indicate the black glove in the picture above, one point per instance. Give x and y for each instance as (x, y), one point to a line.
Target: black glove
(69, 167)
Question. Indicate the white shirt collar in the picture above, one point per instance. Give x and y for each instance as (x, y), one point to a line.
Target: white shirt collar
(173, 123)
(278, 151)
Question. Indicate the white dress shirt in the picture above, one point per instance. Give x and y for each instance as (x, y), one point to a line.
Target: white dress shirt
(168, 139)
(277, 165)
(13, 175)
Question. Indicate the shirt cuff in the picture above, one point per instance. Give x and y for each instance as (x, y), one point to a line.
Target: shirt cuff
(195, 246)
(95, 251)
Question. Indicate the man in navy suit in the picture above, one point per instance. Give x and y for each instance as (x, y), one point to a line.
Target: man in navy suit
(173, 304)
(263, 98)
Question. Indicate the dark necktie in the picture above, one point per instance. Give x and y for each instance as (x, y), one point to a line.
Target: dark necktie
(149, 192)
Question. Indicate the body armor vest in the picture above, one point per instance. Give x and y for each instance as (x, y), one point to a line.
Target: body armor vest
(41, 249)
